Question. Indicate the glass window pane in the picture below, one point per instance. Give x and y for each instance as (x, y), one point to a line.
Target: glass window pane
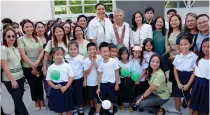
(182, 4)
(59, 2)
(108, 8)
(75, 9)
(90, 9)
(172, 4)
(60, 10)
(90, 2)
(75, 2)
(106, 1)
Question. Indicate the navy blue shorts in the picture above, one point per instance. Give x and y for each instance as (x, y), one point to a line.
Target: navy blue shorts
(92, 92)
(78, 91)
(184, 78)
(107, 90)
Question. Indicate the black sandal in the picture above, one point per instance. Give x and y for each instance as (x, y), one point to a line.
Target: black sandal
(161, 110)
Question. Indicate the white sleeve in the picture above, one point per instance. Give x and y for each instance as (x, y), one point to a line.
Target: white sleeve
(92, 31)
(195, 59)
(48, 74)
(114, 40)
(116, 64)
(85, 65)
(175, 61)
(100, 68)
(70, 71)
(145, 65)
(150, 34)
(131, 39)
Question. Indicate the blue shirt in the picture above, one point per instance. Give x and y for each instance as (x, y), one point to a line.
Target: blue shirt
(199, 40)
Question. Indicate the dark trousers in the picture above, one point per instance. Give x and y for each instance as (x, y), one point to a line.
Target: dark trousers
(35, 84)
(17, 96)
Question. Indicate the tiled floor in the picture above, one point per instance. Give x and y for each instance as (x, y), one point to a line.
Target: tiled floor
(8, 105)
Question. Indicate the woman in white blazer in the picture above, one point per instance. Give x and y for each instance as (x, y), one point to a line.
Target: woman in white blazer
(139, 32)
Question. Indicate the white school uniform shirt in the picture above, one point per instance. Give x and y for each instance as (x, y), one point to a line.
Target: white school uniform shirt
(108, 70)
(202, 70)
(185, 62)
(92, 78)
(101, 33)
(127, 65)
(127, 34)
(138, 36)
(136, 67)
(147, 55)
(76, 64)
(64, 69)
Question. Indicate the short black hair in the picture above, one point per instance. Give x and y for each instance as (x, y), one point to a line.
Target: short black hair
(6, 21)
(112, 45)
(149, 9)
(80, 16)
(69, 20)
(111, 16)
(171, 10)
(103, 44)
(91, 44)
(201, 15)
(100, 3)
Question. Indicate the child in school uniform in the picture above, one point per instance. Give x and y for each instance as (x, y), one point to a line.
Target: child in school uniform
(138, 65)
(148, 49)
(76, 62)
(108, 77)
(91, 78)
(184, 64)
(114, 54)
(61, 94)
(126, 85)
(200, 89)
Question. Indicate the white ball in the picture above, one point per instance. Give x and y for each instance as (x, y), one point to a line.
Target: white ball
(106, 104)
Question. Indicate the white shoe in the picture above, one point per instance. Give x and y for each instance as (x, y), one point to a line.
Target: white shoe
(44, 108)
(38, 108)
(173, 110)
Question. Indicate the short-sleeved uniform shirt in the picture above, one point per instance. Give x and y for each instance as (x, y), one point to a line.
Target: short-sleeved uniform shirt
(50, 46)
(32, 49)
(12, 56)
(158, 78)
(64, 69)
(83, 49)
(108, 70)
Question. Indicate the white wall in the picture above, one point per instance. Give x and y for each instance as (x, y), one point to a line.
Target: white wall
(33, 10)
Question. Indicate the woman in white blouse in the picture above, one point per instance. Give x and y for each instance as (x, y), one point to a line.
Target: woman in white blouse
(121, 29)
(139, 31)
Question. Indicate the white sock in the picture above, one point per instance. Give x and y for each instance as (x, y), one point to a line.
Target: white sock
(111, 111)
(97, 113)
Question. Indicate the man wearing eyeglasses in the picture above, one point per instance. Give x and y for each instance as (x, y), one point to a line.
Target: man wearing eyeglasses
(203, 27)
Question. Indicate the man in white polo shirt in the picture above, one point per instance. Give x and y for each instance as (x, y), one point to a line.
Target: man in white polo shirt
(100, 29)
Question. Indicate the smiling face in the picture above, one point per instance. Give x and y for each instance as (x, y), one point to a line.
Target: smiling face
(159, 23)
(59, 33)
(10, 37)
(73, 50)
(82, 22)
(28, 28)
(100, 11)
(124, 56)
(205, 48)
(67, 28)
(79, 32)
(148, 46)
(138, 18)
(105, 52)
(58, 56)
(175, 22)
(191, 22)
(92, 51)
(119, 17)
(155, 63)
(113, 52)
(40, 29)
(136, 54)
(184, 46)
(203, 23)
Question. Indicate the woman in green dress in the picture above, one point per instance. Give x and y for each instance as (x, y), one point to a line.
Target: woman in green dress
(159, 33)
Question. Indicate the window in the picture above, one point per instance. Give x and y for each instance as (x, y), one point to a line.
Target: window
(179, 4)
(76, 7)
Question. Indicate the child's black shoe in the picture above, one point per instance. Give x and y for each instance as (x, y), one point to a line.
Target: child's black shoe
(92, 111)
(115, 109)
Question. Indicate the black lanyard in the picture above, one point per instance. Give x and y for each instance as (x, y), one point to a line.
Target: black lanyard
(103, 26)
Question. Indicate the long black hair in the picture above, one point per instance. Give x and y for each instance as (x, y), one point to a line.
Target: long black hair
(121, 50)
(134, 28)
(141, 57)
(150, 70)
(163, 28)
(145, 42)
(45, 33)
(180, 25)
(201, 54)
(74, 33)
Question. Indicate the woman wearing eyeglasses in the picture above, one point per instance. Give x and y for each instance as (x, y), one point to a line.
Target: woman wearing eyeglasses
(13, 76)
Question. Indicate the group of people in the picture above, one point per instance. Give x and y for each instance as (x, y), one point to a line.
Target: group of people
(89, 57)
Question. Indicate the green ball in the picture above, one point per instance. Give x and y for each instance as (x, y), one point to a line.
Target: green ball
(124, 72)
(135, 76)
(55, 75)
